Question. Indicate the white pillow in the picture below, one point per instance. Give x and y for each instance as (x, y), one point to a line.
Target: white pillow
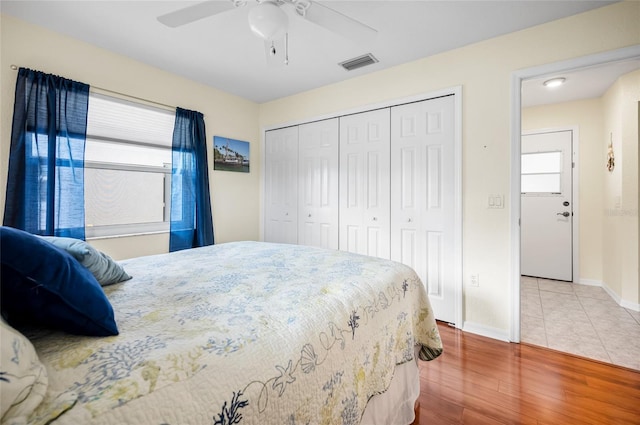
(23, 379)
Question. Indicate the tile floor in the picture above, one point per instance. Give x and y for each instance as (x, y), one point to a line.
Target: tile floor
(579, 319)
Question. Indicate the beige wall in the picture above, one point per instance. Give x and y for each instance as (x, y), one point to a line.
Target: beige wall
(235, 196)
(620, 201)
(484, 70)
(587, 116)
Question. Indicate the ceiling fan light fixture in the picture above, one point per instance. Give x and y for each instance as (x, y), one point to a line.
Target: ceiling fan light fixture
(554, 82)
(267, 20)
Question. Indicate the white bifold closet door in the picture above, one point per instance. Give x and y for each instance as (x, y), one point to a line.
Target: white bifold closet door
(281, 185)
(364, 183)
(318, 184)
(422, 196)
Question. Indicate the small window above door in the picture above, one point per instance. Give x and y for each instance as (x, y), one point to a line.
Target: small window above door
(541, 173)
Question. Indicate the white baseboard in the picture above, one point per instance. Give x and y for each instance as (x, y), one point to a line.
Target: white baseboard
(622, 303)
(489, 332)
(590, 282)
(631, 306)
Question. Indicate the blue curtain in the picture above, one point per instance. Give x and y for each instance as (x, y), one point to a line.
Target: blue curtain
(45, 184)
(191, 220)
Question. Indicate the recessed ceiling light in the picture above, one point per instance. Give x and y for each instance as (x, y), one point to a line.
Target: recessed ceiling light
(554, 82)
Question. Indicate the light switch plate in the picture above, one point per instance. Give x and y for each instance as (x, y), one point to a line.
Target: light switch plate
(495, 201)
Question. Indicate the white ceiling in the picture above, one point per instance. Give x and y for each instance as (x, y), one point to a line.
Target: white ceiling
(585, 83)
(221, 51)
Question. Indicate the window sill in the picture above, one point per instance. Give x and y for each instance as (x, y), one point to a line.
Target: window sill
(127, 235)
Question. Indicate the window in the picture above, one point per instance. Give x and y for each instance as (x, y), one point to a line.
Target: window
(127, 167)
(541, 172)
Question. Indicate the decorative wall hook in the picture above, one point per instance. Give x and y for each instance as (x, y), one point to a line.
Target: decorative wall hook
(610, 158)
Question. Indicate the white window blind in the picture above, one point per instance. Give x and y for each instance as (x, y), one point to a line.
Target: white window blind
(127, 167)
(119, 119)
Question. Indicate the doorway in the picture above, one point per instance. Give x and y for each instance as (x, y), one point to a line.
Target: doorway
(517, 80)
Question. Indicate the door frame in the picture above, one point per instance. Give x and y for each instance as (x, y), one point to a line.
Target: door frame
(575, 191)
(456, 91)
(517, 77)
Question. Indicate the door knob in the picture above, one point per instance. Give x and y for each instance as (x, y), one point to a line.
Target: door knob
(564, 214)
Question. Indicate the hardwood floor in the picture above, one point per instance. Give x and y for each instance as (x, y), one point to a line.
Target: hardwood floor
(483, 381)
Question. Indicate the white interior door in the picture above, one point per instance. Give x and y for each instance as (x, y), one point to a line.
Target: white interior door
(281, 185)
(364, 183)
(547, 206)
(318, 184)
(422, 197)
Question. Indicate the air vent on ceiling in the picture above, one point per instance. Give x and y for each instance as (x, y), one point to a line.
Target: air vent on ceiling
(358, 62)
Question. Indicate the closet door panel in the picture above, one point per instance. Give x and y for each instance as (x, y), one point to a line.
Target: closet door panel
(318, 184)
(408, 249)
(350, 217)
(408, 175)
(422, 204)
(349, 238)
(434, 261)
(377, 241)
(364, 183)
(281, 185)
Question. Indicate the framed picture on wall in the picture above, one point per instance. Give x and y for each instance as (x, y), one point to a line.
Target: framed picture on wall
(230, 155)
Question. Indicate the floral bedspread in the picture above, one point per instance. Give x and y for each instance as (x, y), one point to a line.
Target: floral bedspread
(243, 333)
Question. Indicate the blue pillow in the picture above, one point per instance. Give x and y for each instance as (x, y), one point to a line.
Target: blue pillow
(104, 269)
(43, 285)
(75, 247)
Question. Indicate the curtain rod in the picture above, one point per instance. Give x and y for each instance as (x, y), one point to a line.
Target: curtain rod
(123, 95)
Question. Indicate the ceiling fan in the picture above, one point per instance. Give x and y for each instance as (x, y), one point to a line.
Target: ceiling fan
(270, 22)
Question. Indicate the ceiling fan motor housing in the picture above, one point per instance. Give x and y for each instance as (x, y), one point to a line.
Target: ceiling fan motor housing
(267, 20)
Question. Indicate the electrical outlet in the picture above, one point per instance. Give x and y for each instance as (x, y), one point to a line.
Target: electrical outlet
(475, 280)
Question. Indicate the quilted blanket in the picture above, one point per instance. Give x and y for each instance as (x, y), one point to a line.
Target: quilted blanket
(242, 333)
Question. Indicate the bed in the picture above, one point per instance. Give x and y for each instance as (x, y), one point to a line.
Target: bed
(245, 333)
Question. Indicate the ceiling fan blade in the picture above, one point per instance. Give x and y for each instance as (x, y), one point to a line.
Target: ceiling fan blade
(337, 22)
(193, 13)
